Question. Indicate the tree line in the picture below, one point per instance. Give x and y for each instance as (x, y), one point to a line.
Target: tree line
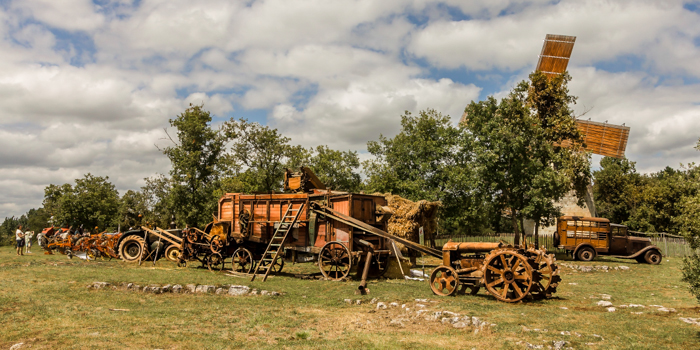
(502, 164)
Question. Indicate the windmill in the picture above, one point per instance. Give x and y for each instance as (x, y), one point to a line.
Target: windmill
(600, 138)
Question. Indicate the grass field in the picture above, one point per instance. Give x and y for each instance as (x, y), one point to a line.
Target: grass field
(45, 304)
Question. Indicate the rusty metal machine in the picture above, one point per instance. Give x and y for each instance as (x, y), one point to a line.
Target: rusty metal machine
(509, 273)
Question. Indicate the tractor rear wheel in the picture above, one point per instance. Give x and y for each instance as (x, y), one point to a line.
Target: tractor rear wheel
(132, 248)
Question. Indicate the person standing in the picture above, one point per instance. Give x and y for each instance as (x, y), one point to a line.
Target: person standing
(28, 240)
(19, 236)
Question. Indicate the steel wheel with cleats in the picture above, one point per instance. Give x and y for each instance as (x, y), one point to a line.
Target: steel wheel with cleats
(444, 281)
(546, 276)
(507, 275)
(335, 261)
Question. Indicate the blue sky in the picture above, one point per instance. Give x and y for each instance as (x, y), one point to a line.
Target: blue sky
(88, 86)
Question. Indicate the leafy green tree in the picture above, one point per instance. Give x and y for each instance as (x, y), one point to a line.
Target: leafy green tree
(423, 161)
(518, 153)
(92, 202)
(688, 222)
(158, 199)
(261, 155)
(133, 207)
(196, 158)
(616, 189)
(336, 169)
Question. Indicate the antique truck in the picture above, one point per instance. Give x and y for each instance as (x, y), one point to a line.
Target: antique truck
(585, 238)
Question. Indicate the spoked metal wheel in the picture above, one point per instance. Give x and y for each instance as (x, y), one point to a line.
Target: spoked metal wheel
(215, 262)
(242, 261)
(507, 275)
(444, 281)
(546, 277)
(335, 261)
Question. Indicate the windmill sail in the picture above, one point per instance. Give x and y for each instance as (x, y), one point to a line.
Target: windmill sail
(600, 138)
(555, 54)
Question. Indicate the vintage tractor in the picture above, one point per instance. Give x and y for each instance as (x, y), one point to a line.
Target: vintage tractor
(509, 273)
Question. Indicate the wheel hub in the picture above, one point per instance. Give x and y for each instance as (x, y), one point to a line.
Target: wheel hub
(509, 276)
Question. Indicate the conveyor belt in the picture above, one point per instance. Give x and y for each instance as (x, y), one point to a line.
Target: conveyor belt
(328, 212)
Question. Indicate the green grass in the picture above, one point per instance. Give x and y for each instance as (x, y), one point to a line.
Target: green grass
(44, 303)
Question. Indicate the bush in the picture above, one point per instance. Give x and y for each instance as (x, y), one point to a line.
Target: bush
(691, 273)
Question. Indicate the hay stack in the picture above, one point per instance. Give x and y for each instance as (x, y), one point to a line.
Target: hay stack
(408, 216)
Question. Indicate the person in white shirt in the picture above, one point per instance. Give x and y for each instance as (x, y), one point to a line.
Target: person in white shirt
(19, 236)
(28, 239)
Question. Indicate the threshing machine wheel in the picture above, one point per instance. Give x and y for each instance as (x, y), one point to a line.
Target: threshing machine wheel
(131, 248)
(652, 257)
(507, 275)
(216, 245)
(242, 261)
(444, 281)
(215, 262)
(335, 261)
(192, 236)
(277, 267)
(546, 277)
(172, 253)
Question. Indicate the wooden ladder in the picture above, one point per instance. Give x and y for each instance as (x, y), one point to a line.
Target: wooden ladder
(277, 241)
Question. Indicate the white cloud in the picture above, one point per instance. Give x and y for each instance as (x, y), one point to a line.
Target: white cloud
(337, 73)
(65, 14)
(604, 30)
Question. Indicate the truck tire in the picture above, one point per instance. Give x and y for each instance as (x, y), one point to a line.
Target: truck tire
(653, 257)
(585, 254)
(132, 248)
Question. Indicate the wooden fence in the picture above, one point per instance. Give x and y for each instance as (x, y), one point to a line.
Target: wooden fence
(670, 245)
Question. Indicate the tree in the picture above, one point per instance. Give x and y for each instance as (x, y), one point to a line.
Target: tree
(616, 189)
(196, 160)
(158, 200)
(260, 155)
(423, 161)
(336, 169)
(518, 153)
(689, 224)
(132, 209)
(92, 202)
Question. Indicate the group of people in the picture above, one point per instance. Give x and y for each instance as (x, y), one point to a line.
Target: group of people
(24, 241)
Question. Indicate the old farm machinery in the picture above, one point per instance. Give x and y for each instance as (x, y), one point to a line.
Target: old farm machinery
(70, 243)
(510, 274)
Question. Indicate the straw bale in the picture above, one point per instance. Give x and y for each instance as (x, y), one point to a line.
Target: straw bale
(408, 216)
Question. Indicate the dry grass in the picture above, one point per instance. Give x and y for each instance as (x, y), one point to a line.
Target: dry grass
(44, 303)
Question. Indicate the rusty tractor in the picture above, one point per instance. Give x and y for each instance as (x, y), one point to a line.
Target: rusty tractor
(509, 273)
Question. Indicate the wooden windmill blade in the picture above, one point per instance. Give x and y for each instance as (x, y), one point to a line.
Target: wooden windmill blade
(603, 138)
(555, 54)
(600, 138)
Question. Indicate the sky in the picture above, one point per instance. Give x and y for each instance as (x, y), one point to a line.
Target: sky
(89, 86)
